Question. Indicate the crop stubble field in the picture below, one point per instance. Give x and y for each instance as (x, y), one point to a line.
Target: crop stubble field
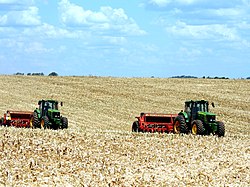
(99, 149)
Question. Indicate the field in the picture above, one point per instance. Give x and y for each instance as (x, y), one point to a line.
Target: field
(99, 149)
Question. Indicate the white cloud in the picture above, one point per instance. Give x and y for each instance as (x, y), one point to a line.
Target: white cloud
(215, 31)
(244, 25)
(160, 3)
(195, 3)
(227, 12)
(115, 40)
(163, 3)
(107, 19)
(8, 1)
(190, 52)
(170, 3)
(36, 47)
(15, 5)
(75, 15)
(28, 17)
(3, 20)
(49, 31)
(204, 20)
(16, 1)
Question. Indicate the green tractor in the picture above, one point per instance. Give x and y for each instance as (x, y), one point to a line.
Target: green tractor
(47, 116)
(197, 119)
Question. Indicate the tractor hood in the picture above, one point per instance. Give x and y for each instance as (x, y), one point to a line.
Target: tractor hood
(206, 113)
(53, 110)
(54, 113)
(208, 117)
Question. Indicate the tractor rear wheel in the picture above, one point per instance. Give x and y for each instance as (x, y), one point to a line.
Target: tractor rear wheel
(197, 127)
(135, 127)
(180, 125)
(45, 123)
(34, 121)
(64, 123)
(221, 129)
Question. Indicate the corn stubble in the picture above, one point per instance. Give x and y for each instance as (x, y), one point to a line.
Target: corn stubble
(99, 148)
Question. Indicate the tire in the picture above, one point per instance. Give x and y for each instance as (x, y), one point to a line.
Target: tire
(135, 127)
(1, 121)
(45, 122)
(221, 129)
(64, 123)
(34, 121)
(180, 125)
(197, 127)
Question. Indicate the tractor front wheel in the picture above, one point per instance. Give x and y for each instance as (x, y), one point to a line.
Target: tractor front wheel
(197, 127)
(180, 125)
(64, 123)
(45, 122)
(221, 129)
(135, 127)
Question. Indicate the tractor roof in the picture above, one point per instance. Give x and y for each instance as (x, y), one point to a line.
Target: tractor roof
(48, 100)
(196, 101)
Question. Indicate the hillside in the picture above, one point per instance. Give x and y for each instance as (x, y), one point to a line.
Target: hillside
(99, 149)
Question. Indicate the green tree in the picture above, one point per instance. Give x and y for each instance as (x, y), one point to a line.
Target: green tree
(53, 74)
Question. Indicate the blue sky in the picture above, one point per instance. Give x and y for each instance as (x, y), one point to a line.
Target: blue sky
(132, 38)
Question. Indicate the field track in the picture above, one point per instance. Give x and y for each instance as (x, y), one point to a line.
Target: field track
(98, 148)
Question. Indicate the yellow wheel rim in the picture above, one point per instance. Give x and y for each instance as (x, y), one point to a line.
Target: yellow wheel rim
(177, 127)
(31, 123)
(194, 129)
(42, 124)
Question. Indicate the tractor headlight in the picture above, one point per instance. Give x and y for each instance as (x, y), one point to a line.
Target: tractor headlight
(56, 114)
(211, 119)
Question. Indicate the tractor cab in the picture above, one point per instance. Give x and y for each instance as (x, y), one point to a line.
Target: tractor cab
(193, 107)
(47, 105)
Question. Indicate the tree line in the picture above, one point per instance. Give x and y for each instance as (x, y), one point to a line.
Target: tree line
(204, 77)
(194, 77)
(37, 74)
(179, 76)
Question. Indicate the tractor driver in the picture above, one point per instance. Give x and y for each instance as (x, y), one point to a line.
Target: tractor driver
(46, 107)
(188, 110)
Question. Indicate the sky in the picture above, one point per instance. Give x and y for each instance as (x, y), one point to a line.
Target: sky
(126, 38)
